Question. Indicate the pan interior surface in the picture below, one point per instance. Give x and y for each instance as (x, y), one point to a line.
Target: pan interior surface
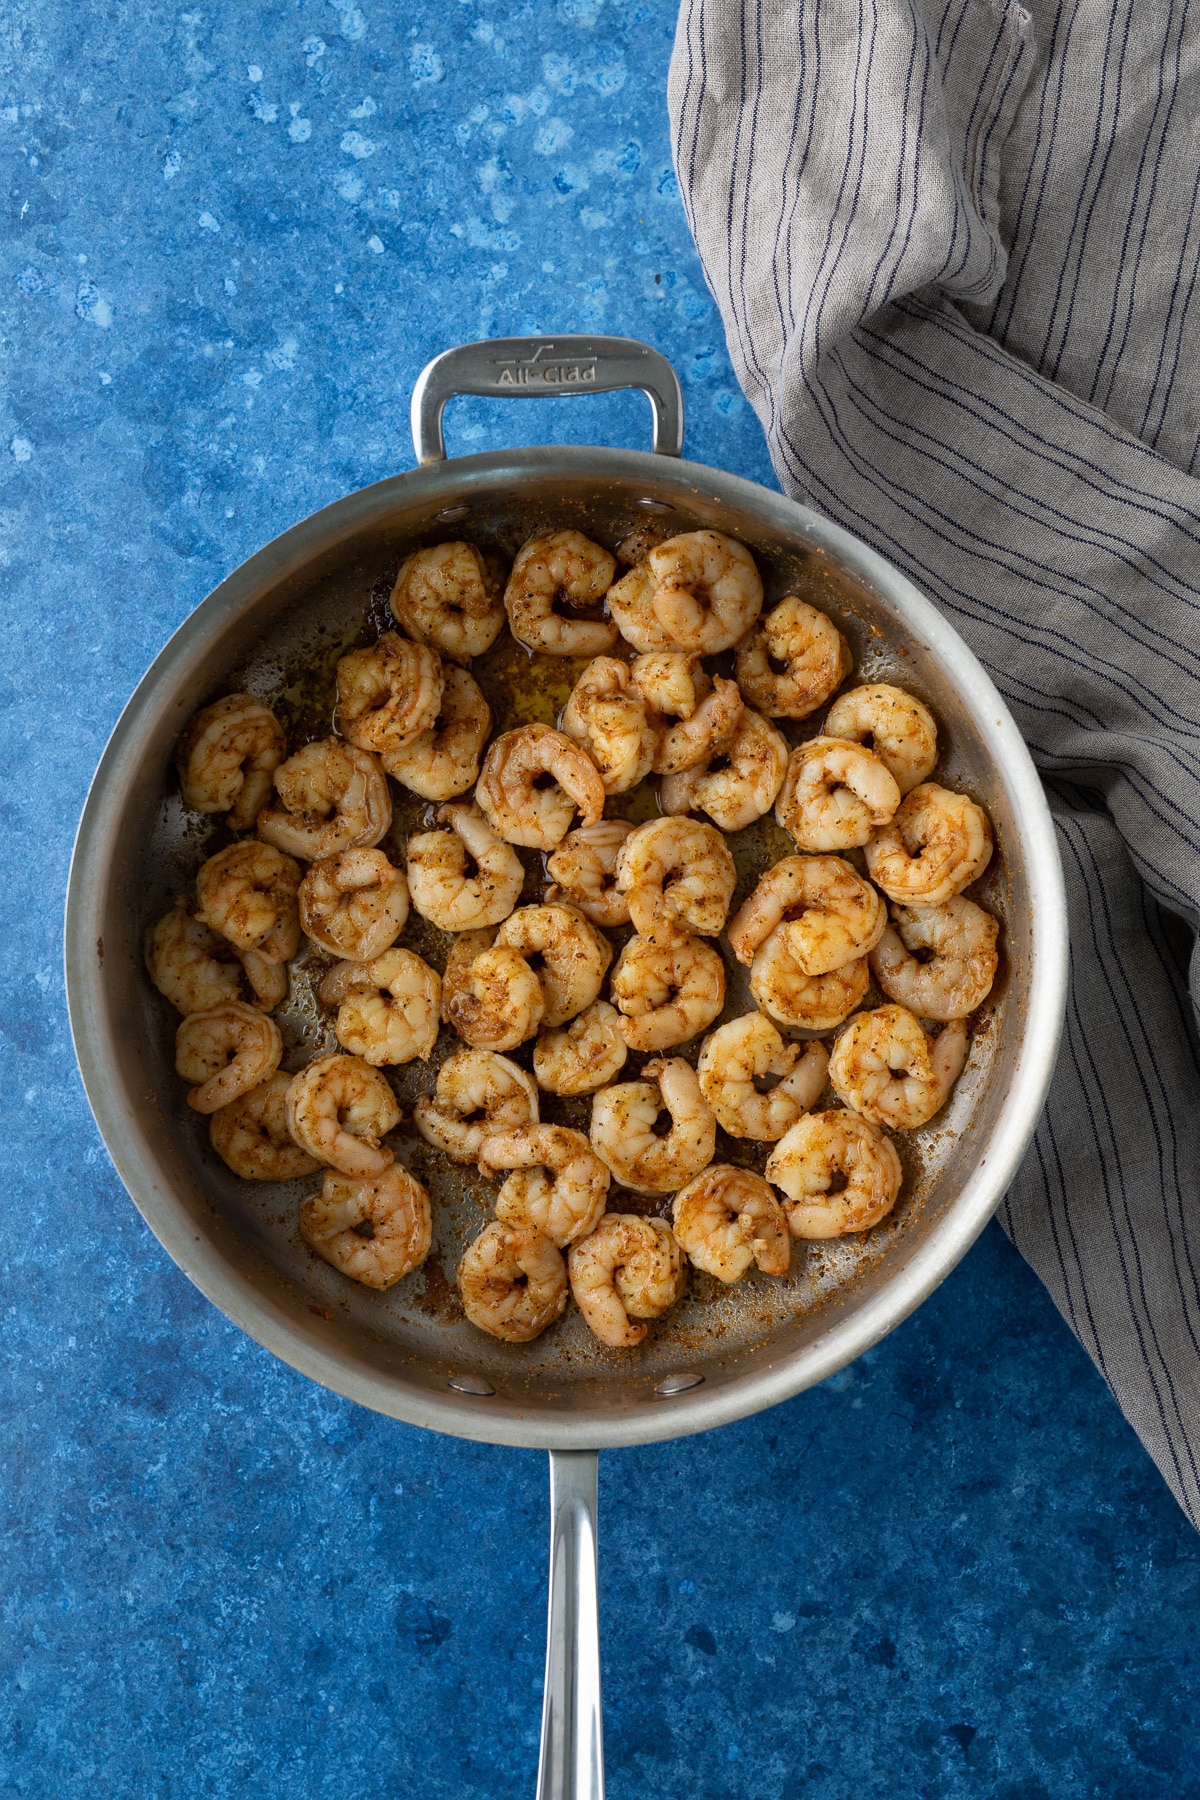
(276, 629)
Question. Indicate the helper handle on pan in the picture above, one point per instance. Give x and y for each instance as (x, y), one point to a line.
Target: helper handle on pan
(571, 1765)
(538, 368)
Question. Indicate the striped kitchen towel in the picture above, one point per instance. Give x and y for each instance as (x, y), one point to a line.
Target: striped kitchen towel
(956, 250)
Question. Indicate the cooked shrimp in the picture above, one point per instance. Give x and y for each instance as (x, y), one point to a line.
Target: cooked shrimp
(738, 786)
(338, 1108)
(335, 797)
(491, 996)
(884, 1067)
(251, 1134)
(628, 1268)
(631, 603)
(445, 596)
(623, 1121)
(226, 1050)
(836, 915)
(562, 569)
(566, 1207)
(727, 1220)
(354, 904)
(821, 1147)
(583, 870)
(188, 963)
(670, 681)
(583, 1056)
(444, 761)
(390, 1013)
(709, 591)
(706, 733)
(268, 980)
(247, 892)
(936, 845)
(608, 716)
(834, 795)
(678, 877)
(472, 1083)
(780, 986)
(744, 1052)
(667, 992)
(961, 940)
(374, 1228)
(894, 724)
(815, 660)
(571, 957)
(441, 889)
(524, 812)
(227, 756)
(388, 695)
(513, 1282)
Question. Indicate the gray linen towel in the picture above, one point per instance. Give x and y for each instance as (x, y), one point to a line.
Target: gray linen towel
(955, 248)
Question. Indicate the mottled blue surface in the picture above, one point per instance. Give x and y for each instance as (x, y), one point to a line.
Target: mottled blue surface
(232, 238)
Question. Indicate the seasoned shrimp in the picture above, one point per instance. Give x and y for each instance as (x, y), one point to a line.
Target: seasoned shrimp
(894, 724)
(251, 1134)
(822, 1147)
(834, 795)
(780, 986)
(570, 956)
(961, 941)
(562, 569)
(738, 786)
(708, 591)
(708, 732)
(667, 992)
(478, 1093)
(444, 761)
(354, 904)
(226, 1051)
(445, 596)
(227, 756)
(583, 1056)
(608, 716)
(627, 1268)
(744, 1052)
(491, 996)
(335, 797)
(836, 915)
(388, 695)
(936, 845)
(624, 1118)
(338, 1108)
(583, 872)
(391, 1011)
(631, 603)
(678, 877)
(441, 889)
(884, 1067)
(522, 811)
(513, 1282)
(727, 1220)
(247, 892)
(558, 1184)
(188, 963)
(374, 1228)
(814, 655)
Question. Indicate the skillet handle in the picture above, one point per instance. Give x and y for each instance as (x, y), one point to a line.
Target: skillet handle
(571, 1763)
(539, 368)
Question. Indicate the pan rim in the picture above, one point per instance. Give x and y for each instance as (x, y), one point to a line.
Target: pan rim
(498, 1419)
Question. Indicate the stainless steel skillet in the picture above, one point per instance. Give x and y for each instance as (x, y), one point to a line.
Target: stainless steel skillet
(718, 1356)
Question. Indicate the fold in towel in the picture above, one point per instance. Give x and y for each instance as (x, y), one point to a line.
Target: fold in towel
(955, 249)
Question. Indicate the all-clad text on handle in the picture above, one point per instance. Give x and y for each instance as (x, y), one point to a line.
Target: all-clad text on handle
(507, 368)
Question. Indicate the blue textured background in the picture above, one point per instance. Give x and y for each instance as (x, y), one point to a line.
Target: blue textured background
(231, 242)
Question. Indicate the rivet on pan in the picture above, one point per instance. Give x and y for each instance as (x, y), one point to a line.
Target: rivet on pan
(677, 1384)
(470, 1384)
(448, 516)
(650, 506)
